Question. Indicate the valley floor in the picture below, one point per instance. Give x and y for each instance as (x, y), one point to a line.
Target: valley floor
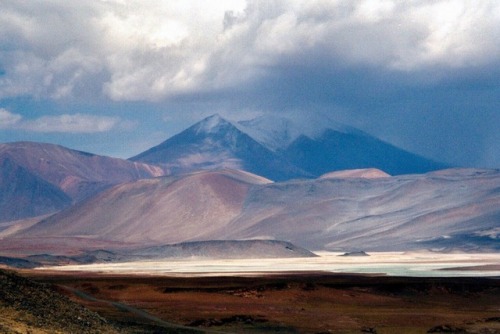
(380, 293)
(286, 303)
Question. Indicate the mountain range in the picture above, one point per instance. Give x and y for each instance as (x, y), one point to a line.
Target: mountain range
(281, 148)
(316, 184)
(449, 209)
(37, 178)
(215, 143)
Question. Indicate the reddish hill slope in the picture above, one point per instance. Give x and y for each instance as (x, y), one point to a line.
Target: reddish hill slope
(66, 175)
(443, 210)
(160, 210)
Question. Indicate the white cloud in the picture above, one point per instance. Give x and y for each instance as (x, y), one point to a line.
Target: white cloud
(8, 119)
(75, 123)
(150, 50)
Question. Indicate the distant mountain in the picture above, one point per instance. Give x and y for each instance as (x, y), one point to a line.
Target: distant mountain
(23, 194)
(367, 173)
(210, 249)
(277, 147)
(317, 144)
(335, 150)
(227, 249)
(450, 209)
(277, 132)
(40, 178)
(281, 148)
(215, 143)
(440, 210)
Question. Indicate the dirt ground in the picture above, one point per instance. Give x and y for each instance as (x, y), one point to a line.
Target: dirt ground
(27, 306)
(287, 303)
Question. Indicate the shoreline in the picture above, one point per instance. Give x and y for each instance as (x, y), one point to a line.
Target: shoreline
(388, 264)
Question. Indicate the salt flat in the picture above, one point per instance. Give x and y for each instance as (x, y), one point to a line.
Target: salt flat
(424, 264)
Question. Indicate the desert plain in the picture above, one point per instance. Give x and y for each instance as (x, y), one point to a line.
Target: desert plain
(393, 292)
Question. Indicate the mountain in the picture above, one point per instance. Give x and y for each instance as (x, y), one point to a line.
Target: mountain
(38, 178)
(367, 173)
(446, 209)
(335, 150)
(215, 143)
(210, 249)
(227, 249)
(23, 194)
(281, 148)
(450, 209)
(152, 211)
(317, 144)
(277, 132)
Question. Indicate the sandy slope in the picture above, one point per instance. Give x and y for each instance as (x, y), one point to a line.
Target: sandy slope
(165, 210)
(78, 174)
(454, 209)
(457, 208)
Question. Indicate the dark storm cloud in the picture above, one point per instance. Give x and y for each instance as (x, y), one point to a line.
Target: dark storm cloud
(452, 118)
(156, 50)
(421, 74)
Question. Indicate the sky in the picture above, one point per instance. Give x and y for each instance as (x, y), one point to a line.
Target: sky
(115, 77)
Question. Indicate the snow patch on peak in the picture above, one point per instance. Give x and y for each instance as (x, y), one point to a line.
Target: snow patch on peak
(278, 131)
(211, 124)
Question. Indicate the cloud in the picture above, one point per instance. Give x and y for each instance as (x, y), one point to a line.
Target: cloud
(154, 50)
(8, 119)
(422, 74)
(75, 123)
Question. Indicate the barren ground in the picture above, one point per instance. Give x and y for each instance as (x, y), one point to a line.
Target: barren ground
(286, 303)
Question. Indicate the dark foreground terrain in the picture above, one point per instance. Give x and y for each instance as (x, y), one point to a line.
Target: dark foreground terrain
(27, 306)
(291, 303)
